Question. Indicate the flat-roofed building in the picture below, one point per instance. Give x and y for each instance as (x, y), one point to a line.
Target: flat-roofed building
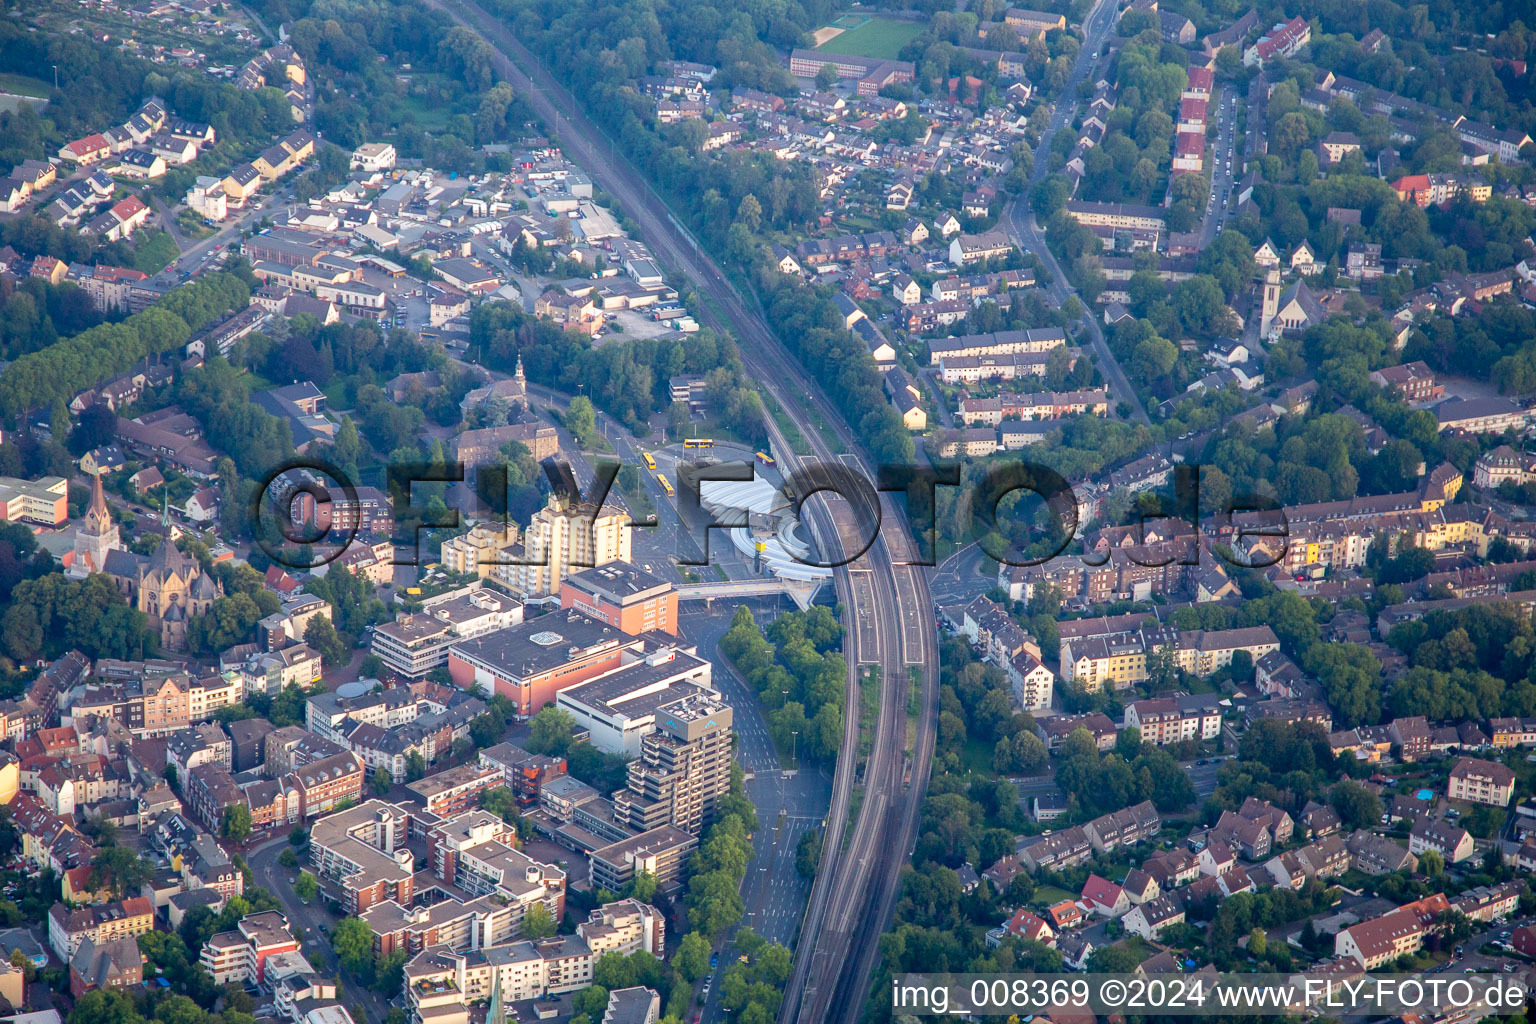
(684, 767)
(456, 790)
(622, 595)
(532, 662)
(360, 855)
(625, 927)
(620, 708)
(44, 500)
(660, 852)
(414, 645)
(240, 955)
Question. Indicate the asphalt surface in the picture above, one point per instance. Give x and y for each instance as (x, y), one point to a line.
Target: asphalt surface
(963, 576)
(273, 877)
(1026, 232)
(789, 801)
(1224, 162)
(890, 611)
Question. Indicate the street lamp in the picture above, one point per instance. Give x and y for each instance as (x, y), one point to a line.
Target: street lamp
(794, 746)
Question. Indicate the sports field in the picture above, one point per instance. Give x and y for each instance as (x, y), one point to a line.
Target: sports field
(875, 37)
(22, 85)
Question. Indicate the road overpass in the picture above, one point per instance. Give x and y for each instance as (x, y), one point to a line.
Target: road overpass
(802, 592)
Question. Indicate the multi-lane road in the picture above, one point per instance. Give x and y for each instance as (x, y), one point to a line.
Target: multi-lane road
(890, 621)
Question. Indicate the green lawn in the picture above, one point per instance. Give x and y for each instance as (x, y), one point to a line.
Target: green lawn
(24, 85)
(1050, 895)
(878, 37)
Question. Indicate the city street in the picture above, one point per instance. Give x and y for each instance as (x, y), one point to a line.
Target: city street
(788, 802)
(963, 576)
(1224, 163)
(273, 877)
(1025, 230)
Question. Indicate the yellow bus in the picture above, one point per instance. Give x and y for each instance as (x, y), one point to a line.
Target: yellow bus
(765, 459)
(698, 442)
(664, 484)
(650, 461)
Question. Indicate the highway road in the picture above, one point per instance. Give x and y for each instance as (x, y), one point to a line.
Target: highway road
(890, 615)
(1020, 222)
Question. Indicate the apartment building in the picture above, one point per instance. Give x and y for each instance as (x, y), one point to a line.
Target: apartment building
(441, 983)
(458, 789)
(1117, 215)
(479, 551)
(564, 537)
(1120, 660)
(360, 855)
(1481, 782)
(625, 927)
(524, 773)
(1064, 849)
(476, 852)
(660, 852)
(1452, 842)
(413, 645)
(1165, 720)
(1125, 827)
(683, 770)
(1382, 940)
(1034, 341)
(240, 956)
(68, 929)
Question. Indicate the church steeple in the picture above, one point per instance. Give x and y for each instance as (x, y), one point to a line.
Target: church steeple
(98, 517)
(95, 536)
(518, 374)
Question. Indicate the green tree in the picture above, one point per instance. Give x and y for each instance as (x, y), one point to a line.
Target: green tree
(119, 869)
(307, 887)
(550, 731)
(389, 974)
(352, 941)
(692, 957)
(235, 823)
(826, 76)
(538, 922)
(322, 636)
(1116, 959)
(1357, 806)
(581, 420)
(379, 781)
(1257, 942)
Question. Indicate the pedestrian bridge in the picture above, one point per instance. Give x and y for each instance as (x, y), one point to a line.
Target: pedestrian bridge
(802, 592)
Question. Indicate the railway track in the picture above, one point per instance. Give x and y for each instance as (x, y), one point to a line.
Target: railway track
(855, 885)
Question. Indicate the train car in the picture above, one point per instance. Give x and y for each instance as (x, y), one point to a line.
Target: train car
(766, 459)
(650, 461)
(698, 442)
